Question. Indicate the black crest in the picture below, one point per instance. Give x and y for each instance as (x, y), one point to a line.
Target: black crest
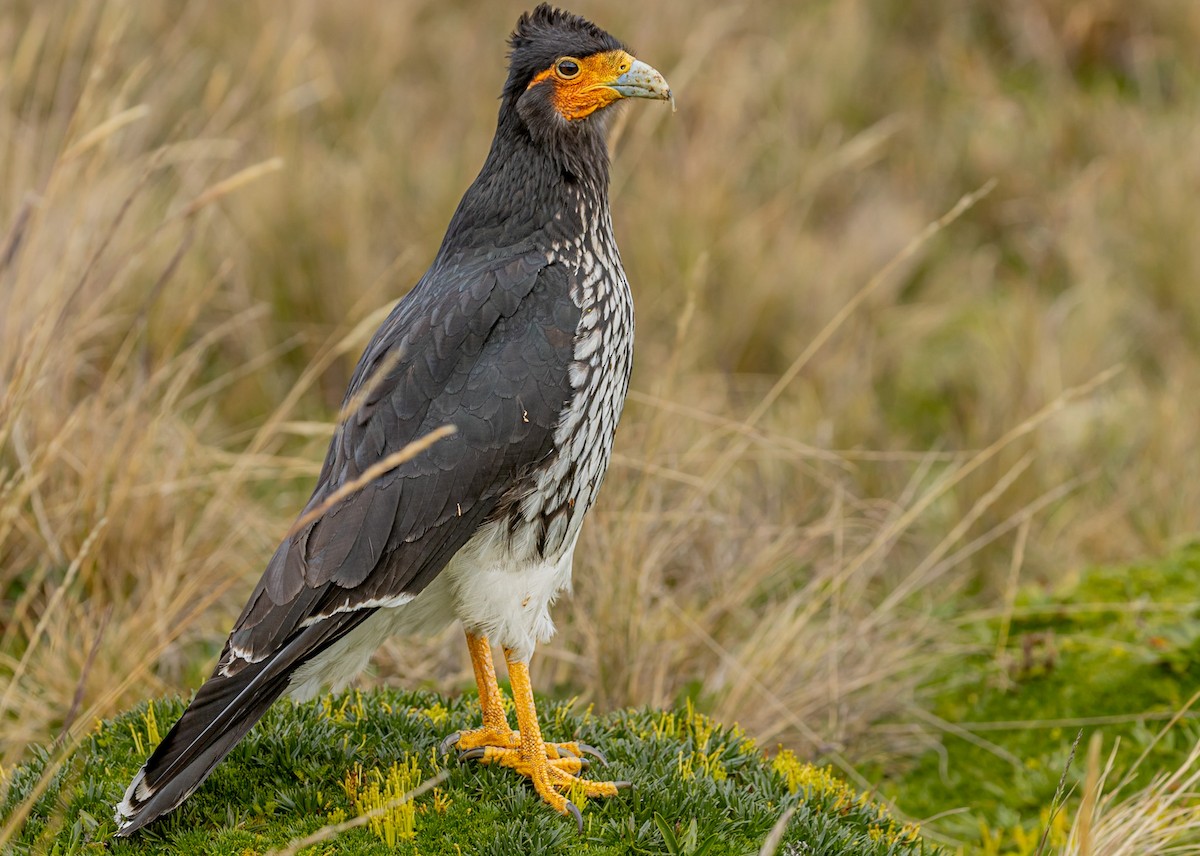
(544, 35)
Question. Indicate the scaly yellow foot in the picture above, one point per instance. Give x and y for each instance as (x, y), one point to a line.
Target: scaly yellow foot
(551, 767)
(507, 740)
(495, 732)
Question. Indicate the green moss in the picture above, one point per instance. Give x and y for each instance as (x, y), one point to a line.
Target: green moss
(1114, 651)
(699, 788)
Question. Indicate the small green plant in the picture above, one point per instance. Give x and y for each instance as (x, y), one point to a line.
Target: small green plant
(688, 844)
(386, 794)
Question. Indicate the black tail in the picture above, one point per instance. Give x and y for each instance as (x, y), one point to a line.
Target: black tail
(223, 711)
(221, 714)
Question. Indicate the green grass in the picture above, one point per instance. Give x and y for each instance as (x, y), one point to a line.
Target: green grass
(1114, 651)
(699, 788)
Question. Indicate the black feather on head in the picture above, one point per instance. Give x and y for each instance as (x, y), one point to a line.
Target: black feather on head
(537, 157)
(544, 35)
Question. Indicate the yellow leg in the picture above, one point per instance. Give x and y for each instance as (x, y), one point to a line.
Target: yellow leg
(490, 701)
(495, 732)
(551, 767)
(534, 758)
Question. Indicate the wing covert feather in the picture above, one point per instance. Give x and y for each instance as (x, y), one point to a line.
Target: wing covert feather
(484, 346)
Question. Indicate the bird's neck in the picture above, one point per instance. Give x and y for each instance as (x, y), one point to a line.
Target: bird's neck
(527, 188)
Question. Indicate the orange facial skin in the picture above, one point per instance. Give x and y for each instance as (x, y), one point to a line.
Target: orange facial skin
(578, 95)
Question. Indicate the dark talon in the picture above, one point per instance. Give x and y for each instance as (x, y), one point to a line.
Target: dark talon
(623, 786)
(563, 750)
(450, 740)
(578, 817)
(594, 752)
(472, 754)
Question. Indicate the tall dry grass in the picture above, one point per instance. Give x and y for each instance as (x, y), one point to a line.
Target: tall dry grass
(842, 423)
(1158, 818)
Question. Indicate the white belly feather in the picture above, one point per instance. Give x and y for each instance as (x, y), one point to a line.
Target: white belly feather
(490, 585)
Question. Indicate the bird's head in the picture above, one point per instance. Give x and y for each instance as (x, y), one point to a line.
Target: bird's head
(564, 71)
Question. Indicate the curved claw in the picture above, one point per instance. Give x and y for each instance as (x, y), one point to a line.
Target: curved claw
(448, 744)
(594, 752)
(472, 754)
(623, 786)
(570, 806)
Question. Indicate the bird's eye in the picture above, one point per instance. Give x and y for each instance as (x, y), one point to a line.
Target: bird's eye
(567, 68)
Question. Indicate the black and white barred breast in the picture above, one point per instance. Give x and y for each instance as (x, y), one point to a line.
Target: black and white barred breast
(560, 492)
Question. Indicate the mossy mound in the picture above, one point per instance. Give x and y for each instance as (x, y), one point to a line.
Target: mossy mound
(699, 788)
(1112, 650)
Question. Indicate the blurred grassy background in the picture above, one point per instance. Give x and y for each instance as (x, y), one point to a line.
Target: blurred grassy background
(204, 211)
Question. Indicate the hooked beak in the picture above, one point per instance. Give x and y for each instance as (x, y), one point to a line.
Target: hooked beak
(643, 81)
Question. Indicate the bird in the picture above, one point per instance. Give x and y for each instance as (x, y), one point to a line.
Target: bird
(508, 364)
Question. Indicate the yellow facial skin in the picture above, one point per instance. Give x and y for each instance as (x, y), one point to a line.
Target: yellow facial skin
(583, 86)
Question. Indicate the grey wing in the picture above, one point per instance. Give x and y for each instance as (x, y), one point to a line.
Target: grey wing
(491, 359)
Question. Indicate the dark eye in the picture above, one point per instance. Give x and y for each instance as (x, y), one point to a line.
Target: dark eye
(568, 68)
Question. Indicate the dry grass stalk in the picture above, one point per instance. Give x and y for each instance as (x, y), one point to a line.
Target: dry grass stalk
(371, 474)
(1159, 819)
